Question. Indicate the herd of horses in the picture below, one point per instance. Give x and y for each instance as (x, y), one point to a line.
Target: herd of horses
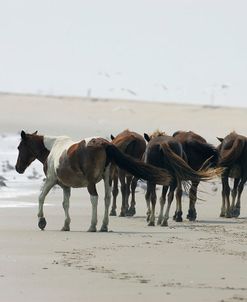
(175, 162)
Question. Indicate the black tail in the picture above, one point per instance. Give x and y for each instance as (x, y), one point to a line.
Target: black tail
(209, 153)
(182, 170)
(138, 168)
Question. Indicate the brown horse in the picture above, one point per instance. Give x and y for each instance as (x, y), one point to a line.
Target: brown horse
(233, 158)
(199, 154)
(167, 152)
(134, 145)
(80, 164)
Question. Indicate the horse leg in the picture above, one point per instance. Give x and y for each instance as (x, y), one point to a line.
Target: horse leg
(123, 191)
(162, 203)
(234, 195)
(49, 183)
(132, 209)
(107, 184)
(178, 214)
(169, 202)
(148, 198)
(128, 183)
(94, 201)
(114, 195)
(153, 202)
(238, 204)
(193, 197)
(225, 210)
(66, 197)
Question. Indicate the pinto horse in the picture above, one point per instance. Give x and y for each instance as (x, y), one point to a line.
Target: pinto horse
(233, 158)
(134, 145)
(80, 164)
(199, 155)
(167, 152)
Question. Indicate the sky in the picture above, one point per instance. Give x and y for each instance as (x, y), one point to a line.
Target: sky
(186, 51)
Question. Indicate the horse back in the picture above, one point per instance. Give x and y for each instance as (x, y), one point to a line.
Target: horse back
(233, 151)
(197, 149)
(156, 148)
(130, 143)
(82, 163)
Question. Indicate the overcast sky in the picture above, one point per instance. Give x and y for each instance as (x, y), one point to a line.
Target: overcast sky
(190, 51)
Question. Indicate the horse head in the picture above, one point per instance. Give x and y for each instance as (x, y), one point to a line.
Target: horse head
(26, 152)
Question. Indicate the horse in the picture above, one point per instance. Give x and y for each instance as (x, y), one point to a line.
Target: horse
(134, 145)
(80, 164)
(233, 158)
(199, 154)
(167, 152)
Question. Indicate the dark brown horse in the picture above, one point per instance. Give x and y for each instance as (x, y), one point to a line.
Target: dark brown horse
(233, 158)
(199, 154)
(80, 164)
(167, 152)
(134, 145)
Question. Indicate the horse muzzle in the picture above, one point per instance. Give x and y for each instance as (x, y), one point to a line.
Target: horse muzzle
(19, 170)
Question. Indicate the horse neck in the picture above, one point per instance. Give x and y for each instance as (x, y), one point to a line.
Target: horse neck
(42, 152)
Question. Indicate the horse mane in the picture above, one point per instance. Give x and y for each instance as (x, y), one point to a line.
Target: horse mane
(157, 133)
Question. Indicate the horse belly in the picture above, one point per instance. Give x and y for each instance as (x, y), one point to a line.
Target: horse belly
(71, 178)
(235, 172)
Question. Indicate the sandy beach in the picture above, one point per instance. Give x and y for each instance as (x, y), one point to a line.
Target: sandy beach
(204, 260)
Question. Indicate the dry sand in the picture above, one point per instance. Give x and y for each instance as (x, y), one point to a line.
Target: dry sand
(200, 261)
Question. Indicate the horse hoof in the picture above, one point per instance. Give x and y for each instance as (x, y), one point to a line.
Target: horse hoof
(131, 212)
(236, 212)
(222, 214)
(164, 223)
(151, 223)
(104, 228)
(191, 216)
(228, 215)
(65, 229)
(148, 217)
(113, 213)
(159, 222)
(179, 219)
(92, 229)
(122, 214)
(42, 223)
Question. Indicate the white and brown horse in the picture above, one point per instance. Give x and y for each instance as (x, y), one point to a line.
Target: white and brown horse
(134, 145)
(233, 158)
(167, 152)
(80, 164)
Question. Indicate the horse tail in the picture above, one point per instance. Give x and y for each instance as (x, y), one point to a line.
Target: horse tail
(209, 152)
(138, 168)
(229, 156)
(182, 170)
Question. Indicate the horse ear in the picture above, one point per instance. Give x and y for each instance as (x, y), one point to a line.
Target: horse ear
(23, 135)
(220, 139)
(112, 137)
(147, 137)
(35, 132)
